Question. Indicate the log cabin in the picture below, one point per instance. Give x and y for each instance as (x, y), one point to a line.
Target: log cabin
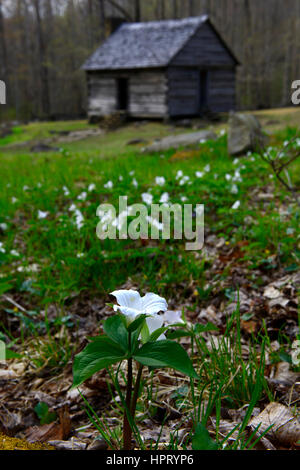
(162, 69)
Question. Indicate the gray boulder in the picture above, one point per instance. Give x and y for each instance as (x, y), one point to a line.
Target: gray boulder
(181, 140)
(245, 134)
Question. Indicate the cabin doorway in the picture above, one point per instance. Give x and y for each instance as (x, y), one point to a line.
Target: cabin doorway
(203, 90)
(123, 94)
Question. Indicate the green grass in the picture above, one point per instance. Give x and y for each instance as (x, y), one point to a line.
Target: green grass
(49, 261)
(41, 130)
(226, 380)
(34, 182)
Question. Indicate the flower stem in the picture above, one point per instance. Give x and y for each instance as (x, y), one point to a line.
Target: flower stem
(127, 431)
(136, 390)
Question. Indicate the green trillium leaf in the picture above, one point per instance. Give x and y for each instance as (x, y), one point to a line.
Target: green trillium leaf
(145, 333)
(178, 334)
(202, 440)
(165, 353)
(136, 324)
(156, 334)
(116, 330)
(98, 355)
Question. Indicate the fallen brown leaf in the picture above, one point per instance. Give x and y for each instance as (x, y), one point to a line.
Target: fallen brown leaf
(285, 426)
(52, 431)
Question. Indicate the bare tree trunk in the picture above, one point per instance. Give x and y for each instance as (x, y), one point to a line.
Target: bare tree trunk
(120, 9)
(175, 9)
(137, 11)
(162, 9)
(42, 61)
(102, 17)
(4, 70)
(191, 7)
(90, 22)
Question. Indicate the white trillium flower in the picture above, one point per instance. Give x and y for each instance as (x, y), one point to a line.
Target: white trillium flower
(154, 323)
(66, 191)
(79, 219)
(234, 189)
(147, 198)
(14, 253)
(132, 305)
(199, 174)
(184, 180)
(164, 198)
(91, 187)
(72, 208)
(236, 205)
(171, 317)
(109, 185)
(237, 177)
(82, 196)
(160, 180)
(42, 214)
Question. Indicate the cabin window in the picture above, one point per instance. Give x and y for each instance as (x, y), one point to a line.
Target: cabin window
(123, 93)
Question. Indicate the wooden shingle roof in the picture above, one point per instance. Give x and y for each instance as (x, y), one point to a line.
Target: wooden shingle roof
(143, 45)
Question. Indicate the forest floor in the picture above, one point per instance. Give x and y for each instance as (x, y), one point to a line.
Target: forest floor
(239, 294)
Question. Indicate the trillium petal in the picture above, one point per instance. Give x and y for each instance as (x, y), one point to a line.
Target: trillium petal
(172, 317)
(154, 323)
(128, 298)
(127, 311)
(153, 303)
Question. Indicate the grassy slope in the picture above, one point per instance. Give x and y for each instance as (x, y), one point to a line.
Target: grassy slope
(54, 242)
(57, 261)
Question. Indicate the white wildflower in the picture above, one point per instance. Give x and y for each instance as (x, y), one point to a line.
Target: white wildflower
(164, 198)
(147, 198)
(234, 189)
(109, 185)
(14, 253)
(91, 187)
(160, 180)
(236, 205)
(82, 196)
(42, 214)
